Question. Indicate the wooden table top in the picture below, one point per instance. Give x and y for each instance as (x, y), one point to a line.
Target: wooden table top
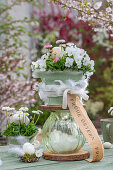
(12, 163)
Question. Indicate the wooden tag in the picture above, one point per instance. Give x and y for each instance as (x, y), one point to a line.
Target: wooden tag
(86, 127)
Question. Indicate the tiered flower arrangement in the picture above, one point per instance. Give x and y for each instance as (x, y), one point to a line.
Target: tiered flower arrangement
(65, 56)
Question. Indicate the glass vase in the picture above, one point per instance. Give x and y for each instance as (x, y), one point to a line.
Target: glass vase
(60, 133)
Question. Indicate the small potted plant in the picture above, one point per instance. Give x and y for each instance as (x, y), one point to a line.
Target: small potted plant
(107, 127)
(20, 123)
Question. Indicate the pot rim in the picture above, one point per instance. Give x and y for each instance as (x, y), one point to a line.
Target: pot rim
(107, 120)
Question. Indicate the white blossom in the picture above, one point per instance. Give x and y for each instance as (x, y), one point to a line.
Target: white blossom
(19, 118)
(79, 64)
(79, 53)
(91, 64)
(24, 109)
(111, 111)
(39, 153)
(70, 50)
(28, 148)
(97, 5)
(86, 60)
(42, 65)
(37, 112)
(7, 108)
(69, 62)
(45, 56)
(108, 9)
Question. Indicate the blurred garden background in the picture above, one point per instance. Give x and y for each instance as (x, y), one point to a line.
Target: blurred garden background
(25, 27)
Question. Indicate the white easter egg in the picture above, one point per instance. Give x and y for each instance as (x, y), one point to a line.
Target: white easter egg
(107, 145)
(28, 148)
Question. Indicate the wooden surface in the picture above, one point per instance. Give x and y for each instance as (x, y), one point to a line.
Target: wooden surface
(54, 107)
(13, 163)
(80, 155)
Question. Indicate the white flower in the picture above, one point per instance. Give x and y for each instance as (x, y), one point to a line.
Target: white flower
(69, 62)
(39, 153)
(11, 109)
(19, 118)
(91, 64)
(70, 50)
(97, 5)
(34, 65)
(79, 63)
(28, 148)
(86, 60)
(24, 109)
(111, 111)
(79, 53)
(62, 53)
(56, 52)
(37, 112)
(20, 112)
(7, 108)
(42, 65)
(108, 9)
(39, 64)
(45, 56)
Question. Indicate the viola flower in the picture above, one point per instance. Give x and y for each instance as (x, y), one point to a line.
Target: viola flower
(60, 41)
(48, 46)
(69, 62)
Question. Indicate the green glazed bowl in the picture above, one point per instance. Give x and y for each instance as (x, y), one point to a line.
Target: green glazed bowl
(50, 78)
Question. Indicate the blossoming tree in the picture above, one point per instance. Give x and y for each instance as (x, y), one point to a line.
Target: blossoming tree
(98, 14)
(13, 59)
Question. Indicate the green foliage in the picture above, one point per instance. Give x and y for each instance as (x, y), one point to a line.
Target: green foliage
(60, 64)
(28, 156)
(43, 117)
(16, 130)
(106, 89)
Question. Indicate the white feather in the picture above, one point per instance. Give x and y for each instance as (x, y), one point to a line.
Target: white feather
(17, 150)
(1, 162)
(22, 139)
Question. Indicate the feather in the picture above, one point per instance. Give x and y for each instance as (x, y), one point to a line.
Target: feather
(22, 139)
(1, 162)
(17, 150)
